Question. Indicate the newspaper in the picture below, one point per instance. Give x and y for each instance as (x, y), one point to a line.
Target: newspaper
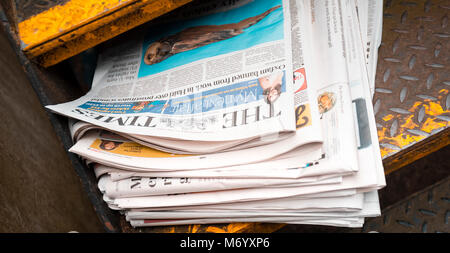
(148, 186)
(368, 145)
(369, 174)
(307, 195)
(370, 16)
(80, 128)
(281, 201)
(325, 170)
(132, 156)
(369, 208)
(347, 203)
(218, 77)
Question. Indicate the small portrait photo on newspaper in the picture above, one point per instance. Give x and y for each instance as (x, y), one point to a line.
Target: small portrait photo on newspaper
(180, 43)
(326, 101)
(271, 86)
(110, 141)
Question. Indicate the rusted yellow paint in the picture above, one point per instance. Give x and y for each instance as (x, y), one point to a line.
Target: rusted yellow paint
(415, 106)
(400, 140)
(238, 227)
(230, 228)
(404, 138)
(433, 108)
(409, 123)
(194, 228)
(148, 9)
(63, 18)
(114, 28)
(385, 151)
(388, 117)
(90, 36)
(212, 229)
(171, 230)
(431, 124)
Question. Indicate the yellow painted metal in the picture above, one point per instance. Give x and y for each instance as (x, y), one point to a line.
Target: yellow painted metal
(66, 30)
(403, 138)
(64, 18)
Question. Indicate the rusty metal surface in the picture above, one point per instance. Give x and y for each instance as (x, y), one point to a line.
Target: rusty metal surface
(427, 211)
(411, 101)
(52, 31)
(27, 8)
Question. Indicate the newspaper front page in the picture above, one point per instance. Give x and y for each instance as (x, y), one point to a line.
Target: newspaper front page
(217, 77)
(338, 150)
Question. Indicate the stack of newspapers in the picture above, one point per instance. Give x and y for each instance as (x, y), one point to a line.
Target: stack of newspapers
(238, 111)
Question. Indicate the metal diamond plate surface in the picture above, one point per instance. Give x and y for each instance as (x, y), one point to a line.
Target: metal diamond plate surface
(427, 211)
(412, 100)
(28, 8)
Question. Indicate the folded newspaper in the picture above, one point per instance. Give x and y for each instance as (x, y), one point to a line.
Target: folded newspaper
(238, 111)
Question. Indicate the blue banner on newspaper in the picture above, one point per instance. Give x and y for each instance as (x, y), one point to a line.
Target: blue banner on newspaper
(215, 99)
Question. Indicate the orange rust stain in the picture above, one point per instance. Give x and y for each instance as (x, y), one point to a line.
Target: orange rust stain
(408, 139)
(385, 151)
(215, 230)
(381, 132)
(381, 136)
(114, 28)
(400, 140)
(62, 18)
(150, 8)
(409, 123)
(404, 138)
(90, 36)
(388, 117)
(170, 230)
(433, 109)
(194, 228)
(236, 227)
(109, 226)
(430, 124)
(415, 106)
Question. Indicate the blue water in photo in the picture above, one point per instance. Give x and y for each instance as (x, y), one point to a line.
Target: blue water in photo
(268, 29)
